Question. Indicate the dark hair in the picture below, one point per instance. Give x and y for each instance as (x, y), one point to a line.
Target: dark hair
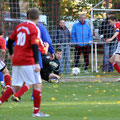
(58, 50)
(33, 13)
(112, 18)
(1, 31)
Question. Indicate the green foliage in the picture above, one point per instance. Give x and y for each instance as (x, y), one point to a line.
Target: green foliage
(74, 8)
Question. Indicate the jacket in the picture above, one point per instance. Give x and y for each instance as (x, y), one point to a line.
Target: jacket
(81, 33)
(46, 38)
(61, 35)
(106, 29)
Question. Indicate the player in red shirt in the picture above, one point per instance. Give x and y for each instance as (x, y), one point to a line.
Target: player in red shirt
(26, 67)
(3, 67)
(115, 59)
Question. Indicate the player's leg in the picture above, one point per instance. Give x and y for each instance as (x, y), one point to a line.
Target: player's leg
(5, 71)
(37, 87)
(2, 80)
(37, 101)
(115, 59)
(24, 74)
(22, 90)
(7, 77)
(9, 91)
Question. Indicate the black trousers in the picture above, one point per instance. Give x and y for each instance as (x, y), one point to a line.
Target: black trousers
(82, 49)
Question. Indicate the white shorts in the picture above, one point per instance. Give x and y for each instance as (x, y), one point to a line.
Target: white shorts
(117, 49)
(21, 74)
(2, 65)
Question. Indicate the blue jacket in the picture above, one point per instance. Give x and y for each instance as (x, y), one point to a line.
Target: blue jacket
(46, 38)
(81, 33)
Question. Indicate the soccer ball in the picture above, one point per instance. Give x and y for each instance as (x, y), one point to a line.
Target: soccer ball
(75, 71)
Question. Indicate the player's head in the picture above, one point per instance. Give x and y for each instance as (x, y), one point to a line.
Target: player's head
(112, 20)
(1, 31)
(33, 14)
(62, 23)
(58, 53)
(82, 18)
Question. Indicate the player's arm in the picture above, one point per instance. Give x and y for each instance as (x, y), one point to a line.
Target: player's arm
(3, 51)
(10, 46)
(113, 37)
(45, 60)
(35, 55)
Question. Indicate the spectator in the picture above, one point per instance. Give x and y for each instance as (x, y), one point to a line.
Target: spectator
(62, 35)
(109, 48)
(81, 33)
(50, 70)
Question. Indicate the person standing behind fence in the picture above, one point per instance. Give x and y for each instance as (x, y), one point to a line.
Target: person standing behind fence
(109, 48)
(81, 33)
(115, 59)
(62, 35)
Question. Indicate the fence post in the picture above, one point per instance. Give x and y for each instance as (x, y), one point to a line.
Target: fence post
(92, 57)
(96, 70)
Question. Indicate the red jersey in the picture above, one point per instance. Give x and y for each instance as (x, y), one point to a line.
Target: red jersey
(2, 43)
(25, 35)
(117, 28)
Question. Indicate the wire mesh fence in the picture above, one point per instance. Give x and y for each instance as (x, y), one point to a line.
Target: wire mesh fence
(92, 56)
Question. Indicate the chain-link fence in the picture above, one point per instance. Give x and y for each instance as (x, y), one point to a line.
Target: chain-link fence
(90, 56)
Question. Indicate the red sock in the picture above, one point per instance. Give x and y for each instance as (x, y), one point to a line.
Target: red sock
(7, 80)
(23, 89)
(37, 100)
(116, 66)
(6, 94)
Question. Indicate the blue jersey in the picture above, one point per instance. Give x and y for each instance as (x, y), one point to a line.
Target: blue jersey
(46, 38)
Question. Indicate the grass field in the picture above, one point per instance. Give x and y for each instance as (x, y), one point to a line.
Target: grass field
(69, 101)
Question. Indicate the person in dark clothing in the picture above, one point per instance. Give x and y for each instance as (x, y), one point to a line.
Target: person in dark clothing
(109, 48)
(62, 38)
(50, 70)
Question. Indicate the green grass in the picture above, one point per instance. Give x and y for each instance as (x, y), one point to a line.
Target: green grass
(71, 101)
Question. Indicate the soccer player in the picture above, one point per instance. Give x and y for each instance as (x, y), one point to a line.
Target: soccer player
(115, 59)
(50, 70)
(3, 67)
(26, 68)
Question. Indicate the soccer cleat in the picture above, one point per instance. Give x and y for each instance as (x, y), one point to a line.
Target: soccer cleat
(16, 99)
(40, 114)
